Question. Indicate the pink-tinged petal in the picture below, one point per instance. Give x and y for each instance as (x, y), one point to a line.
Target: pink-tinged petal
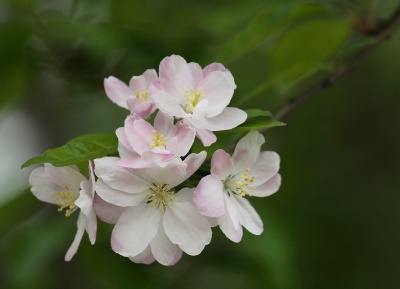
(145, 109)
(175, 76)
(134, 163)
(199, 111)
(227, 227)
(185, 226)
(248, 217)
(134, 230)
(65, 176)
(132, 102)
(85, 200)
(123, 138)
(209, 196)
(164, 124)
(193, 161)
(231, 210)
(119, 178)
(129, 122)
(140, 139)
(217, 90)
(117, 91)
(78, 237)
(126, 153)
(146, 257)
(155, 87)
(197, 73)
(138, 84)
(150, 75)
(266, 166)
(165, 252)
(269, 187)
(206, 137)
(107, 212)
(91, 227)
(169, 105)
(181, 144)
(218, 101)
(117, 197)
(158, 155)
(247, 151)
(212, 221)
(213, 67)
(229, 118)
(222, 164)
(43, 186)
(174, 171)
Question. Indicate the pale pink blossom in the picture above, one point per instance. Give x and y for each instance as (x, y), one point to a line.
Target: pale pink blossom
(198, 96)
(145, 144)
(136, 97)
(152, 220)
(248, 172)
(70, 190)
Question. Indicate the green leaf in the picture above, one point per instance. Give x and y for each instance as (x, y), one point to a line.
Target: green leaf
(247, 126)
(78, 150)
(257, 112)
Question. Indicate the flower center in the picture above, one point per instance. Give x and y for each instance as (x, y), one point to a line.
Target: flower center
(161, 197)
(66, 199)
(240, 186)
(157, 140)
(193, 98)
(142, 96)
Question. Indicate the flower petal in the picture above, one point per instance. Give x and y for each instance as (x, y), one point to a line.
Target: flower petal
(266, 166)
(181, 144)
(248, 216)
(175, 76)
(193, 161)
(119, 178)
(144, 109)
(117, 197)
(229, 118)
(126, 153)
(134, 230)
(222, 164)
(164, 124)
(65, 176)
(247, 151)
(78, 237)
(169, 105)
(173, 172)
(231, 210)
(135, 163)
(140, 138)
(269, 187)
(197, 73)
(146, 257)
(185, 226)
(150, 75)
(91, 227)
(117, 91)
(107, 212)
(123, 138)
(209, 196)
(200, 110)
(43, 186)
(206, 137)
(165, 252)
(138, 83)
(227, 227)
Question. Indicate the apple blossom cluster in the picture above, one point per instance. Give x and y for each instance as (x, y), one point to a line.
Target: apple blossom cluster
(145, 191)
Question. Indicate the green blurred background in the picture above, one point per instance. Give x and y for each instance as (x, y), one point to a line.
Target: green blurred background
(335, 221)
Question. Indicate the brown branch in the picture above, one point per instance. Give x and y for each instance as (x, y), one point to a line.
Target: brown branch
(382, 33)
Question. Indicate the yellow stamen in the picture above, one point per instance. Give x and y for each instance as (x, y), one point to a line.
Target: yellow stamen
(157, 140)
(144, 96)
(193, 98)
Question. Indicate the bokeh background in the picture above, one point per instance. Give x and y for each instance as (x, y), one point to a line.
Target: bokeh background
(335, 221)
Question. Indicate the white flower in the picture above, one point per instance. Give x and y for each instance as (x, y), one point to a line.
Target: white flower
(153, 221)
(198, 96)
(249, 172)
(146, 144)
(70, 190)
(136, 97)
